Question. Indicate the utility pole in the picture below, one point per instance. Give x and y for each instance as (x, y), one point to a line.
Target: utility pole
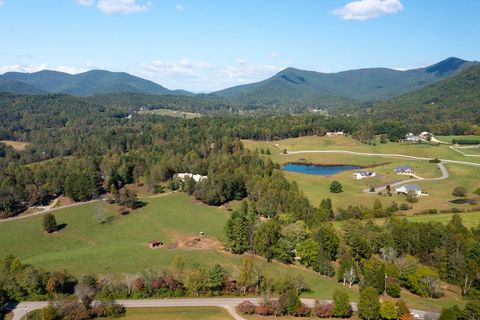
(385, 289)
(26, 310)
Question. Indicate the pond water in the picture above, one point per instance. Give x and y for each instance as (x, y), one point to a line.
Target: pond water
(463, 201)
(318, 169)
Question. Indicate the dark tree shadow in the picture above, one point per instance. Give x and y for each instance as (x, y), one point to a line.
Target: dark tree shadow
(61, 226)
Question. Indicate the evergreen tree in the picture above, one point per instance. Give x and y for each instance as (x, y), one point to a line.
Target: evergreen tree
(49, 223)
(369, 306)
(341, 305)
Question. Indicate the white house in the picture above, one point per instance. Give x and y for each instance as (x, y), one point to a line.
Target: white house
(412, 138)
(404, 170)
(363, 174)
(195, 177)
(409, 188)
(335, 133)
(424, 135)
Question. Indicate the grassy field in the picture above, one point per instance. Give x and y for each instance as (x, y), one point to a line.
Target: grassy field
(450, 138)
(350, 144)
(121, 246)
(177, 313)
(172, 113)
(469, 219)
(17, 145)
(316, 187)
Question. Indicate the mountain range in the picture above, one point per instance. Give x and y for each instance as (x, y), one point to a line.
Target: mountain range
(83, 84)
(290, 86)
(309, 87)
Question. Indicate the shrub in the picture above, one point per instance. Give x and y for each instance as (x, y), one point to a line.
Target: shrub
(372, 189)
(477, 192)
(246, 307)
(288, 302)
(323, 309)
(336, 187)
(265, 309)
(302, 311)
(49, 223)
(459, 192)
(388, 311)
(404, 206)
(393, 287)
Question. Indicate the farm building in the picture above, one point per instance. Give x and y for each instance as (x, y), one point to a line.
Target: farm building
(404, 170)
(412, 138)
(334, 133)
(363, 175)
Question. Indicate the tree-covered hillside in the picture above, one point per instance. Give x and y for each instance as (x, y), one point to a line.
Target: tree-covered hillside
(88, 83)
(452, 99)
(333, 89)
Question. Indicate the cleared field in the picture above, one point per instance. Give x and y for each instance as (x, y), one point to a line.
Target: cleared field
(316, 187)
(450, 138)
(469, 219)
(17, 145)
(172, 113)
(177, 313)
(350, 144)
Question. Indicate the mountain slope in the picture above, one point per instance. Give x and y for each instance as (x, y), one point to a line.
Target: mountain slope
(294, 85)
(88, 83)
(14, 86)
(454, 98)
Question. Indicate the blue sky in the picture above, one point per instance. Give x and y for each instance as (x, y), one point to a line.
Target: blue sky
(205, 45)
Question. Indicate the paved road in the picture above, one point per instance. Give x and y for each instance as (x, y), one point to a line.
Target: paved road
(383, 155)
(227, 303)
(444, 176)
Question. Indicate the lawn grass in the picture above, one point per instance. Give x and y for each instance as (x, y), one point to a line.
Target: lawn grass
(177, 313)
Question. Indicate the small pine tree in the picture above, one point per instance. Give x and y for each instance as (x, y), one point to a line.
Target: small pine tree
(336, 187)
(341, 305)
(369, 306)
(49, 223)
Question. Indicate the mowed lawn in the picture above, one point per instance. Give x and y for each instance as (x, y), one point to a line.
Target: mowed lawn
(177, 313)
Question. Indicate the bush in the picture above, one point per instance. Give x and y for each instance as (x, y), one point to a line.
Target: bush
(336, 187)
(302, 311)
(388, 311)
(459, 192)
(288, 302)
(393, 287)
(246, 307)
(404, 206)
(412, 197)
(323, 309)
(49, 223)
(372, 189)
(265, 309)
(369, 306)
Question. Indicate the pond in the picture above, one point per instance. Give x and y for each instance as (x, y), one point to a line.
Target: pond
(463, 201)
(324, 170)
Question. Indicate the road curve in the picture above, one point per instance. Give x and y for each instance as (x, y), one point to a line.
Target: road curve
(441, 166)
(227, 303)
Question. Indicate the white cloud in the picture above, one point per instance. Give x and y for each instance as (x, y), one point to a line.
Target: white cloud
(27, 67)
(199, 76)
(122, 6)
(241, 61)
(85, 2)
(1, 2)
(274, 55)
(368, 9)
(180, 7)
